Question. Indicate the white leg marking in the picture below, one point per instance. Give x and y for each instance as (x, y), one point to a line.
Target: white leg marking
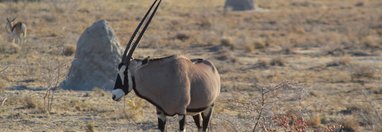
(162, 117)
(118, 93)
(180, 117)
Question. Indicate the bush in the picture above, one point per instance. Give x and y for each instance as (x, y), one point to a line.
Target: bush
(69, 50)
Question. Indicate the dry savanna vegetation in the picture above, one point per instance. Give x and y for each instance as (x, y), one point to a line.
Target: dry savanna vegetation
(296, 65)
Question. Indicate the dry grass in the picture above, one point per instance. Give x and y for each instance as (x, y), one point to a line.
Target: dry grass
(261, 63)
(342, 61)
(314, 121)
(32, 102)
(363, 73)
(227, 42)
(10, 48)
(260, 44)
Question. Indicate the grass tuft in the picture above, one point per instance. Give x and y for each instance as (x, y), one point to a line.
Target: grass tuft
(98, 92)
(32, 102)
(342, 61)
(260, 44)
(262, 63)
(227, 42)
(134, 109)
(349, 124)
(315, 121)
(278, 61)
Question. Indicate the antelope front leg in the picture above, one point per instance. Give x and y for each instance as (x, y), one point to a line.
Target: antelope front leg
(182, 123)
(161, 121)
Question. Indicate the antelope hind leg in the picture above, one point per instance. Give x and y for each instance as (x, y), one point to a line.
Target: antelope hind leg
(206, 115)
(197, 120)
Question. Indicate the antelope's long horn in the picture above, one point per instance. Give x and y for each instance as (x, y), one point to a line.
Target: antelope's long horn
(125, 59)
(8, 20)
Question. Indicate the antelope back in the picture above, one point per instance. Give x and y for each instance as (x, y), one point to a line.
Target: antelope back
(19, 29)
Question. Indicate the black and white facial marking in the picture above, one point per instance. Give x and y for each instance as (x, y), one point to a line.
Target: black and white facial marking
(123, 84)
(121, 73)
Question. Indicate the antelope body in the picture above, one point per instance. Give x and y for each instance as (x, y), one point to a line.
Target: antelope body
(17, 31)
(176, 85)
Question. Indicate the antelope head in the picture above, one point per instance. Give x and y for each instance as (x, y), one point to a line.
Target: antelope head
(124, 82)
(9, 24)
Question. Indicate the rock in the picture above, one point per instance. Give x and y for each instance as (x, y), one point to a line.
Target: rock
(239, 5)
(95, 63)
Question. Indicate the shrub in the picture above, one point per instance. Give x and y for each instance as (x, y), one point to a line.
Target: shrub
(182, 36)
(69, 50)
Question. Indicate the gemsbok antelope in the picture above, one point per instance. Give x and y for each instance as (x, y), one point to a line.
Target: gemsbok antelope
(176, 85)
(17, 31)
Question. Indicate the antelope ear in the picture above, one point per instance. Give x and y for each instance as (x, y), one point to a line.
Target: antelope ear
(146, 60)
